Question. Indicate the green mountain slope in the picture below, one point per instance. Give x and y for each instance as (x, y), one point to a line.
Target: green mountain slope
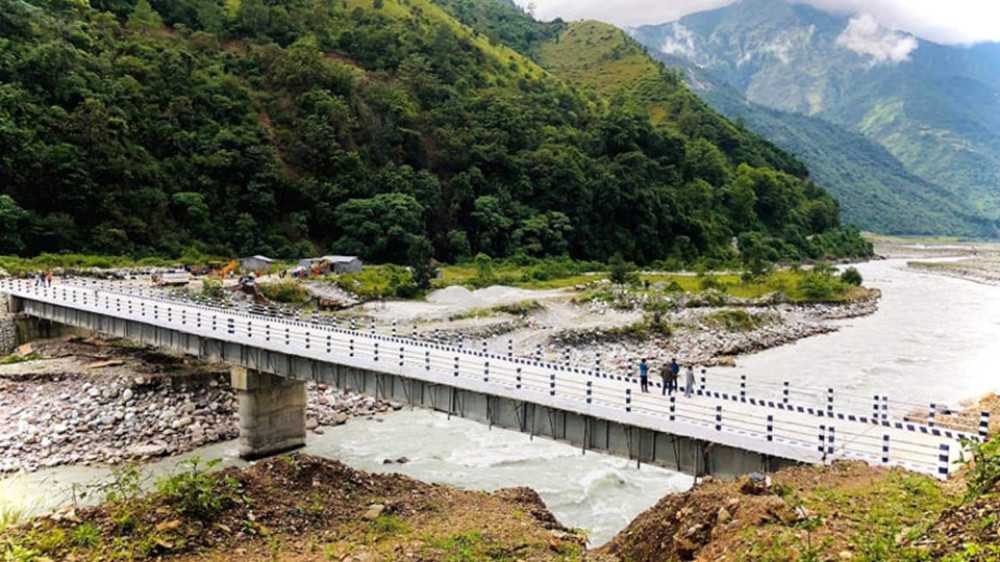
(874, 189)
(934, 108)
(379, 128)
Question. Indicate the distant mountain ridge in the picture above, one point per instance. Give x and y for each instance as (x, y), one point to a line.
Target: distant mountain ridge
(934, 108)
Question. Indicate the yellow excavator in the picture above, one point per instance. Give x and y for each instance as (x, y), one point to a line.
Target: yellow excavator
(227, 269)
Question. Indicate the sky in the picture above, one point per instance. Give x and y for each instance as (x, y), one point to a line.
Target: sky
(941, 21)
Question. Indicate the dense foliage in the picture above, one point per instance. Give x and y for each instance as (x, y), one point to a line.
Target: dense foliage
(931, 116)
(377, 128)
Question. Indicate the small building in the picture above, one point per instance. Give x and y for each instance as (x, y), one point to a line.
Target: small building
(256, 264)
(332, 264)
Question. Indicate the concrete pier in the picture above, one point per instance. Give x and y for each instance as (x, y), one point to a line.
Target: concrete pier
(272, 412)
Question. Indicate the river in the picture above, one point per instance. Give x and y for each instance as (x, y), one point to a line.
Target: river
(933, 339)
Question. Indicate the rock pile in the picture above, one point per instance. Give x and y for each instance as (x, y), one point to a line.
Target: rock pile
(76, 419)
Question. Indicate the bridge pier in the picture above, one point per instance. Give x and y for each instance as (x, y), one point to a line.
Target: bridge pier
(272, 412)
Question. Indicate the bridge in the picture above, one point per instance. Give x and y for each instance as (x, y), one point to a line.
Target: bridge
(724, 429)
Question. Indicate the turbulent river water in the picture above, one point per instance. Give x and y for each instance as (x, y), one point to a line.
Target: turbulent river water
(934, 339)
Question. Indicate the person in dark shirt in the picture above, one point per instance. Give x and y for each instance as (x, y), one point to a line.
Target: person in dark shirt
(644, 375)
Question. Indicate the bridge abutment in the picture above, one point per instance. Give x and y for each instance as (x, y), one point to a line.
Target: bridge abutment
(272, 412)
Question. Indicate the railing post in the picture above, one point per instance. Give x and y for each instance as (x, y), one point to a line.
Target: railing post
(486, 372)
(822, 441)
(875, 408)
(352, 347)
(552, 384)
(590, 392)
(376, 352)
(401, 351)
(743, 388)
(984, 425)
(885, 449)
(456, 365)
(394, 324)
(566, 356)
(518, 378)
(427, 359)
(885, 408)
(830, 438)
(944, 459)
(373, 326)
(413, 332)
(770, 427)
(597, 360)
(673, 407)
(484, 347)
(701, 390)
(628, 399)
(718, 418)
(829, 402)
(510, 347)
(538, 352)
(931, 414)
(784, 393)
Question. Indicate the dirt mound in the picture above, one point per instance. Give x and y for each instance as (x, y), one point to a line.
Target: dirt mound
(823, 512)
(454, 295)
(682, 526)
(299, 508)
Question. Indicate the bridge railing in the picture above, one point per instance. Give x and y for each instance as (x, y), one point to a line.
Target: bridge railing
(737, 413)
(716, 382)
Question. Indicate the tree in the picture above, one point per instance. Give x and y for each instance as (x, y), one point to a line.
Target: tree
(421, 261)
(852, 276)
(144, 17)
(12, 220)
(380, 228)
(621, 271)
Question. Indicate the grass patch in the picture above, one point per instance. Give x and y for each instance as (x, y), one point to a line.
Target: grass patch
(523, 308)
(287, 291)
(15, 358)
(470, 546)
(550, 273)
(377, 282)
(735, 320)
(386, 526)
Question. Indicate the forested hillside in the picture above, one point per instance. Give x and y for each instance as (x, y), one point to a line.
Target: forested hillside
(934, 109)
(377, 127)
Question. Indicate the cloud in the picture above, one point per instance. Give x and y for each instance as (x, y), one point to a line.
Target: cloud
(680, 43)
(866, 37)
(942, 21)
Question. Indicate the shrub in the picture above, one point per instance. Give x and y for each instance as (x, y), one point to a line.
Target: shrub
(287, 292)
(196, 492)
(622, 272)
(212, 289)
(852, 276)
(985, 470)
(735, 320)
(818, 286)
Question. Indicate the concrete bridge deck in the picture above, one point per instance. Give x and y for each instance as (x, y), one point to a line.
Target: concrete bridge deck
(731, 432)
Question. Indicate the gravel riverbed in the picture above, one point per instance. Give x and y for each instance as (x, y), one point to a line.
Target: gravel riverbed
(74, 410)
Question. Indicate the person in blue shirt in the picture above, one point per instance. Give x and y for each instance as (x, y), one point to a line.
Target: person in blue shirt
(644, 375)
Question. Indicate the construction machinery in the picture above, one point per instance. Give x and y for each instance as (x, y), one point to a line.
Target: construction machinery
(227, 269)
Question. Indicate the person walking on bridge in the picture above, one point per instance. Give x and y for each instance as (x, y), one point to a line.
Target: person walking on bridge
(665, 379)
(644, 375)
(689, 381)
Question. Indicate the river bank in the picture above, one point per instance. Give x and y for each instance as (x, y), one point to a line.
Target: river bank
(92, 401)
(305, 508)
